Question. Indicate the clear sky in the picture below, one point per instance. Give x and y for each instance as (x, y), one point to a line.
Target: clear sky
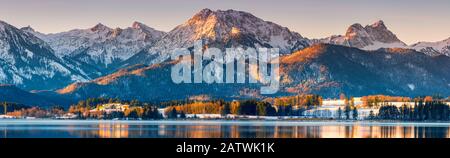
(411, 20)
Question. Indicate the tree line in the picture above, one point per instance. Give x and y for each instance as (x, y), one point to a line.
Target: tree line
(422, 110)
(282, 106)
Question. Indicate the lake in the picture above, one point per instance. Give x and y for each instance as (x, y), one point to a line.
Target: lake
(219, 129)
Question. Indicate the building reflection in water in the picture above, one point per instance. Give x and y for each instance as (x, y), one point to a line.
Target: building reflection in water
(109, 130)
(235, 131)
(124, 130)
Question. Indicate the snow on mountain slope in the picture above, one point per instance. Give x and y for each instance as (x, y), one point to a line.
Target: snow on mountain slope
(370, 37)
(100, 46)
(28, 62)
(223, 29)
(377, 45)
(433, 48)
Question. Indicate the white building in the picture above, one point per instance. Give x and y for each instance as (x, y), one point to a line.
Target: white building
(331, 111)
(341, 102)
(330, 108)
(324, 111)
(111, 107)
(67, 116)
(6, 117)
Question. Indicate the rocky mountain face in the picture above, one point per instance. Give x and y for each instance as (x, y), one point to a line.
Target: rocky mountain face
(433, 48)
(322, 69)
(30, 63)
(370, 37)
(223, 29)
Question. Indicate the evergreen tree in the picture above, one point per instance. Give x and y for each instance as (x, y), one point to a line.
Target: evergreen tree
(182, 115)
(226, 109)
(173, 114)
(339, 112)
(388, 112)
(371, 115)
(133, 114)
(271, 111)
(347, 112)
(248, 107)
(405, 112)
(5, 108)
(355, 113)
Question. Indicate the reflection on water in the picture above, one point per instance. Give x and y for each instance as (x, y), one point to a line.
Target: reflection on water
(215, 129)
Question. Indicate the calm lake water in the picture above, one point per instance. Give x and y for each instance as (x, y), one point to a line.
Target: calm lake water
(218, 129)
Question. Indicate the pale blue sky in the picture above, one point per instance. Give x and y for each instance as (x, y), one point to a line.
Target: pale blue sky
(411, 20)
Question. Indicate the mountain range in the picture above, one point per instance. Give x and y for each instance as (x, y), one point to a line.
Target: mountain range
(100, 49)
(133, 62)
(29, 62)
(321, 69)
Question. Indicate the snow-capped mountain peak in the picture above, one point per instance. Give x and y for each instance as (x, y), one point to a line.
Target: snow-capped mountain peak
(370, 37)
(224, 29)
(101, 47)
(100, 27)
(355, 31)
(30, 63)
(433, 48)
(203, 13)
(153, 33)
(28, 29)
(379, 24)
(138, 25)
(377, 35)
(380, 33)
(222, 24)
(228, 28)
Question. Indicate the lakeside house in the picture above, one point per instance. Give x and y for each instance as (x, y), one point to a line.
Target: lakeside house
(67, 116)
(330, 108)
(331, 112)
(341, 102)
(110, 107)
(6, 117)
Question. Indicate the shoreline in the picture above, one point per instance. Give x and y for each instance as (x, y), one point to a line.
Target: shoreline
(228, 122)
